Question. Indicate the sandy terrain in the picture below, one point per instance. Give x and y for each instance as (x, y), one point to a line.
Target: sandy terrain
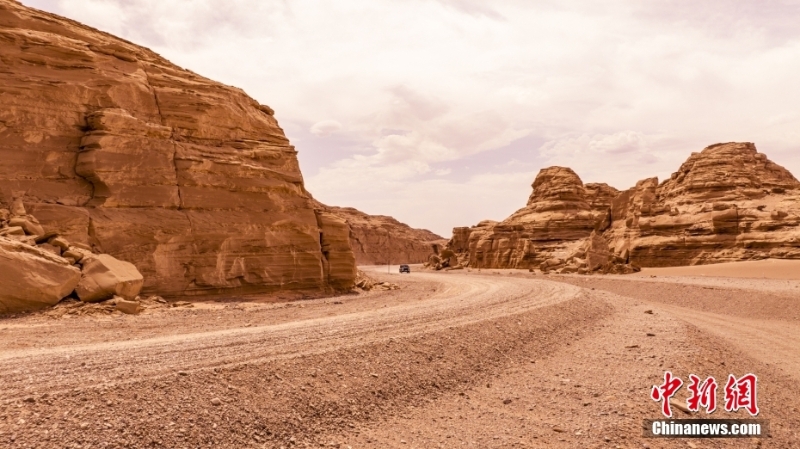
(453, 359)
(758, 269)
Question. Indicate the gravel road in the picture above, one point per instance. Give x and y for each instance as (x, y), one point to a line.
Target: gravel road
(456, 359)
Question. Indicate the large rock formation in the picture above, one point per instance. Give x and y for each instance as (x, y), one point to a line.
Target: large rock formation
(560, 213)
(376, 239)
(191, 180)
(726, 203)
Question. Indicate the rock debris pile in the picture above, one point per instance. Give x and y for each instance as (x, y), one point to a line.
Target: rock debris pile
(38, 269)
(366, 283)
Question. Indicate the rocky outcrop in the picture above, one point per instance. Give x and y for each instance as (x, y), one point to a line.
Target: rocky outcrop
(337, 254)
(561, 213)
(726, 203)
(190, 180)
(32, 278)
(726, 172)
(593, 255)
(378, 239)
(38, 269)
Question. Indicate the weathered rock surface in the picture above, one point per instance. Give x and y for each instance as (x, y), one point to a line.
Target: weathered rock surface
(560, 213)
(726, 203)
(32, 278)
(336, 251)
(378, 238)
(191, 180)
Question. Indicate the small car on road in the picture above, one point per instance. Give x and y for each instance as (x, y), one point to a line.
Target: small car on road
(405, 269)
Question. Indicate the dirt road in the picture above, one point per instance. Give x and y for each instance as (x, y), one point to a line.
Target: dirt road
(761, 318)
(456, 359)
(456, 302)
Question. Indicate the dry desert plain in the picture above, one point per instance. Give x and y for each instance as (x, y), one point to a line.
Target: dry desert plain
(467, 358)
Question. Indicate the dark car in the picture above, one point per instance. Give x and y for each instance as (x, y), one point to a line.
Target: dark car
(405, 269)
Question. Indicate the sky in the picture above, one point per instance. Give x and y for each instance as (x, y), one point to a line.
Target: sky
(441, 112)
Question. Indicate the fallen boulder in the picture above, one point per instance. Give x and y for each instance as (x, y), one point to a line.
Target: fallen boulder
(128, 307)
(104, 276)
(13, 230)
(32, 278)
(28, 224)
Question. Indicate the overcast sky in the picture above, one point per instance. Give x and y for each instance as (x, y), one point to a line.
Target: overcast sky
(441, 112)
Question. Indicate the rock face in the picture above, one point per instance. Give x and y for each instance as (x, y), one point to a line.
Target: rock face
(377, 238)
(32, 278)
(560, 212)
(726, 203)
(190, 180)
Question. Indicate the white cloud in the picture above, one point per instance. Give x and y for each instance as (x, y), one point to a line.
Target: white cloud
(325, 127)
(629, 152)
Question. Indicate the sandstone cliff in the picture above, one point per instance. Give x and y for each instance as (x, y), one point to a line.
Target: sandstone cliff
(378, 238)
(561, 211)
(193, 181)
(726, 203)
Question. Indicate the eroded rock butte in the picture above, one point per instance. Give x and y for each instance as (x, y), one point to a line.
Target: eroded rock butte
(726, 203)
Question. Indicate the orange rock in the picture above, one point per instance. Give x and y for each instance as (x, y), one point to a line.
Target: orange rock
(726, 203)
(376, 239)
(32, 278)
(103, 277)
(189, 179)
(561, 213)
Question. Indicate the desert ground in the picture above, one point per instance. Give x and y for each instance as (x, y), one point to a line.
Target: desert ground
(466, 358)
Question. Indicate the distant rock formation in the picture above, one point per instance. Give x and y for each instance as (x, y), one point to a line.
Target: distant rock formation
(190, 180)
(376, 239)
(560, 213)
(726, 203)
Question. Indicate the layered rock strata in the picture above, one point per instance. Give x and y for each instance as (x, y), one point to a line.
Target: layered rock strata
(378, 239)
(190, 180)
(726, 203)
(561, 211)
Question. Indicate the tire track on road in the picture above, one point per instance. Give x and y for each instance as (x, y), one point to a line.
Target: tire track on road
(464, 300)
